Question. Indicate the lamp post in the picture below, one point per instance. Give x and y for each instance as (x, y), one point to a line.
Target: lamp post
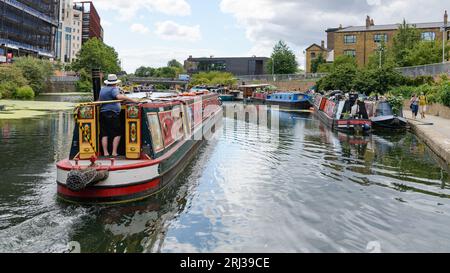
(380, 50)
(444, 30)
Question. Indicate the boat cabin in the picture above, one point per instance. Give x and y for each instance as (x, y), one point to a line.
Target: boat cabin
(148, 129)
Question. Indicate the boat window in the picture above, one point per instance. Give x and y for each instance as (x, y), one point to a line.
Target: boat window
(384, 109)
(155, 132)
(177, 122)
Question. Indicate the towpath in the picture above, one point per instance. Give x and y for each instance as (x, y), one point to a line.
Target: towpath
(434, 131)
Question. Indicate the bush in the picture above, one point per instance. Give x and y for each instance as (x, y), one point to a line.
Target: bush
(445, 94)
(36, 71)
(11, 78)
(24, 93)
(83, 86)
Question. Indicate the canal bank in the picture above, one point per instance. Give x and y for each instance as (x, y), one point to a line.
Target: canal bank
(435, 132)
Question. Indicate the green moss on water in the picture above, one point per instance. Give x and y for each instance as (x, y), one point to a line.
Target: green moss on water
(15, 109)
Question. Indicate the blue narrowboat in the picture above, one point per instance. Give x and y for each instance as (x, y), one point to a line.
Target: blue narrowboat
(298, 101)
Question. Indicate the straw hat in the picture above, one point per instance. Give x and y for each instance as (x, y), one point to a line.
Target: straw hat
(112, 79)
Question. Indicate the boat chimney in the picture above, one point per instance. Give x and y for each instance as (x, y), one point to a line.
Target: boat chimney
(445, 18)
(96, 83)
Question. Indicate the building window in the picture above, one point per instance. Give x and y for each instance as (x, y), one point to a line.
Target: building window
(350, 52)
(378, 38)
(350, 39)
(313, 55)
(428, 36)
(68, 30)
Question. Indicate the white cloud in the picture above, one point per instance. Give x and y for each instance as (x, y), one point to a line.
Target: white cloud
(139, 28)
(128, 9)
(302, 22)
(169, 30)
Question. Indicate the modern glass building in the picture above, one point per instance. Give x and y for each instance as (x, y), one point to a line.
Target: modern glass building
(28, 27)
(236, 65)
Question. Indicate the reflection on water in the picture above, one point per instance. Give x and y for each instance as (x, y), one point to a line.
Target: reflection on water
(313, 190)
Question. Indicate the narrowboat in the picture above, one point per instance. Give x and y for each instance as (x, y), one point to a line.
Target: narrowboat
(159, 137)
(337, 114)
(259, 98)
(385, 118)
(292, 101)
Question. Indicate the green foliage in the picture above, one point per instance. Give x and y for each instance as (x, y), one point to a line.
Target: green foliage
(404, 40)
(174, 63)
(435, 92)
(95, 54)
(445, 93)
(36, 71)
(283, 60)
(84, 84)
(396, 103)
(169, 72)
(325, 68)
(317, 62)
(346, 76)
(213, 78)
(425, 52)
(24, 93)
(11, 78)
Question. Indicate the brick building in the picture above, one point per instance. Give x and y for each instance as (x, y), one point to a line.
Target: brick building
(362, 41)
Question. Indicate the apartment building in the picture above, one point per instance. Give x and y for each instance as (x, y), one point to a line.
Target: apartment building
(363, 41)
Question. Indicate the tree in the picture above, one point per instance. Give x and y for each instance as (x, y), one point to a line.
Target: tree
(36, 71)
(11, 78)
(315, 64)
(283, 60)
(95, 54)
(425, 52)
(144, 71)
(404, 40)
(213, 78)
(174, 63)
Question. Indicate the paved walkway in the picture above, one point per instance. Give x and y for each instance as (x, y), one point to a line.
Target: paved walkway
(434, 131)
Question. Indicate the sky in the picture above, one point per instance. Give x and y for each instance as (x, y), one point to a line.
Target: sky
(152, 32)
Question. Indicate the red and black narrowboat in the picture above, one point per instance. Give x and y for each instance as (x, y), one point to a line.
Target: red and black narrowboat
(159, 137)
(332, 112)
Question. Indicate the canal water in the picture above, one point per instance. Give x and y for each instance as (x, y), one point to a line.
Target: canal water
(311, 190)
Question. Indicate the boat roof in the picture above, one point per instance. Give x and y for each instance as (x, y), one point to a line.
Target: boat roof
(253, 85)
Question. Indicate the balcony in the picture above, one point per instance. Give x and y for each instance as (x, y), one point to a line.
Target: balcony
(31, 11)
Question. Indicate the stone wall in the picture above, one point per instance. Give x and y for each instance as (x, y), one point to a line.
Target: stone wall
(61, 87)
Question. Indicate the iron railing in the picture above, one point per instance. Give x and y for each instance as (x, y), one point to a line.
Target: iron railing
(281, 77)
(64, 79)
(425, 70)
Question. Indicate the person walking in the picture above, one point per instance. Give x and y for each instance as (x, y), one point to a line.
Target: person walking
(414, 102)
(423, 101)
(110, 126)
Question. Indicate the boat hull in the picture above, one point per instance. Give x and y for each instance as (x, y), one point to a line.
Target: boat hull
(227, 98)
(390, 123)
(123, 185)
(299, 105)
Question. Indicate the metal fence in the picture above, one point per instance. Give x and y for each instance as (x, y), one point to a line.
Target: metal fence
(425, 70)
(281, 77)
(64, 79)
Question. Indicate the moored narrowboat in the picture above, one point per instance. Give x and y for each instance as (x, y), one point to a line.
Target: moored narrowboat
(291, 101)
(385, 118)
(159, 136)
(343, 115)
